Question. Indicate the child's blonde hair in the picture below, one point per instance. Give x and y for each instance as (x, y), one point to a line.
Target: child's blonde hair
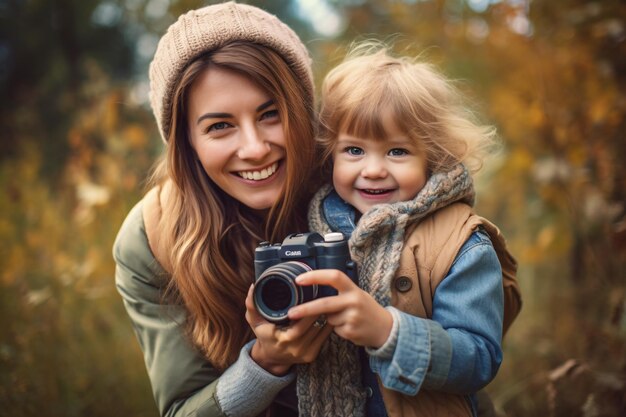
(423, 103)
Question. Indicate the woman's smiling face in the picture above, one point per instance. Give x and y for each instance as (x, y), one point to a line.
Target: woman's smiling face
(237, 134)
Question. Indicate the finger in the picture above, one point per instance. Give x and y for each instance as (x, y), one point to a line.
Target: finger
(332, 277)
(296, 329)
(320, 338)
(306, 349)
(312, 334)
(253, 317)
(249, 298)
(315, 308)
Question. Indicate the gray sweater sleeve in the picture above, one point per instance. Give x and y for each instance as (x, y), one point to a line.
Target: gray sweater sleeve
(183, 382)
(245, 386)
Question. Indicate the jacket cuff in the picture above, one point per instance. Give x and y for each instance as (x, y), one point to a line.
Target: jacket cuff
(417, 353)
(440, 356)
(385, 352)
(246, 389)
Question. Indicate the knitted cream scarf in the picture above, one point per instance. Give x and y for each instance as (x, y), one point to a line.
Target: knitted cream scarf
(331, 386)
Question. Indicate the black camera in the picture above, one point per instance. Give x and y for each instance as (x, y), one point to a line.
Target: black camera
(277, 266)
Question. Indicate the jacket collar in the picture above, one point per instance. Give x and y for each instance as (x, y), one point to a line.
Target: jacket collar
(339, 215)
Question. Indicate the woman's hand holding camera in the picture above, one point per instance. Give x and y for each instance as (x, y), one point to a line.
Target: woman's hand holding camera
(278, 348)
(353, 313)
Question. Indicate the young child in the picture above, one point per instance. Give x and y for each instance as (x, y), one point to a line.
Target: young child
(437, 285)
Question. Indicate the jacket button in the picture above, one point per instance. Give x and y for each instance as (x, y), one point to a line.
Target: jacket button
(369, 392)
(403, 284)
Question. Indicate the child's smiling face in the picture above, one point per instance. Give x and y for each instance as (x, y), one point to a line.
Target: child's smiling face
(367, 172)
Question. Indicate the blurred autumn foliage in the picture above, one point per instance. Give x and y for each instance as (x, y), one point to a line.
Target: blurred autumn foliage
(78, 141)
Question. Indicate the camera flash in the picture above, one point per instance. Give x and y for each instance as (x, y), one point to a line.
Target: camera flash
(333, 237)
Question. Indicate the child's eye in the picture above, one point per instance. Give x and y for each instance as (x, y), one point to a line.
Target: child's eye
(271, 114)
(217, 126)
(353, 150)
(398, 152)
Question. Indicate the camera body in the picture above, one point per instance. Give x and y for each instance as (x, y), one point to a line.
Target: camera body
(276, 267)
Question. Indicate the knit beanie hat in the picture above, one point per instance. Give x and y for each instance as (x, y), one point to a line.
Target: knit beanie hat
(208, 28)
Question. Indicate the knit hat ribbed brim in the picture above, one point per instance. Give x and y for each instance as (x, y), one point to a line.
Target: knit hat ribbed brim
(202, 30)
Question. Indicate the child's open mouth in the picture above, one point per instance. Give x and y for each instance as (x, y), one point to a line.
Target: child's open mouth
(371, 191)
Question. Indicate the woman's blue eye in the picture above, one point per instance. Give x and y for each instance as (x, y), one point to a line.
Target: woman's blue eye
(398, 152)
(218, 126)
(269, 114)
(354, 151)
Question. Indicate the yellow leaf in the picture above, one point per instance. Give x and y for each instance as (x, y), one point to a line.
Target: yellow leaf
(545, 237)
(135, 136)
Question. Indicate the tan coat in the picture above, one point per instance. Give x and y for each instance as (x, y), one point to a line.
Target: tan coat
(426, 258)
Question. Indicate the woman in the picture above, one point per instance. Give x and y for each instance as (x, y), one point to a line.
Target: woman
(232, 93)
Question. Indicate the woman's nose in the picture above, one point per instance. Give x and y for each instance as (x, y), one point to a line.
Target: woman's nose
(252, 145)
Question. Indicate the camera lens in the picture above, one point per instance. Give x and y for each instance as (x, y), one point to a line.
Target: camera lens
(276, 291)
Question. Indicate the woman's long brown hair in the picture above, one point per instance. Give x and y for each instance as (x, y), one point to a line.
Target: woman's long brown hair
(210, 237)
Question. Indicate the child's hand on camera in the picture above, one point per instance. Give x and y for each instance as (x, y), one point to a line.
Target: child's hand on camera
(353, 313)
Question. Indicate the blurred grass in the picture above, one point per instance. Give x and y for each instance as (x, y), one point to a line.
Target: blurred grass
(66, 345)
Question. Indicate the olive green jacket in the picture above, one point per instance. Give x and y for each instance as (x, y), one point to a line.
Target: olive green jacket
(183, 382)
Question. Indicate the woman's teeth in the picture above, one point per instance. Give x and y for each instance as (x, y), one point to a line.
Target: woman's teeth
(259, 175)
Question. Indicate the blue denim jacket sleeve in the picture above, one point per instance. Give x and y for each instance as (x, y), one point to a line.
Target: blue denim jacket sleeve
(459, 350)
